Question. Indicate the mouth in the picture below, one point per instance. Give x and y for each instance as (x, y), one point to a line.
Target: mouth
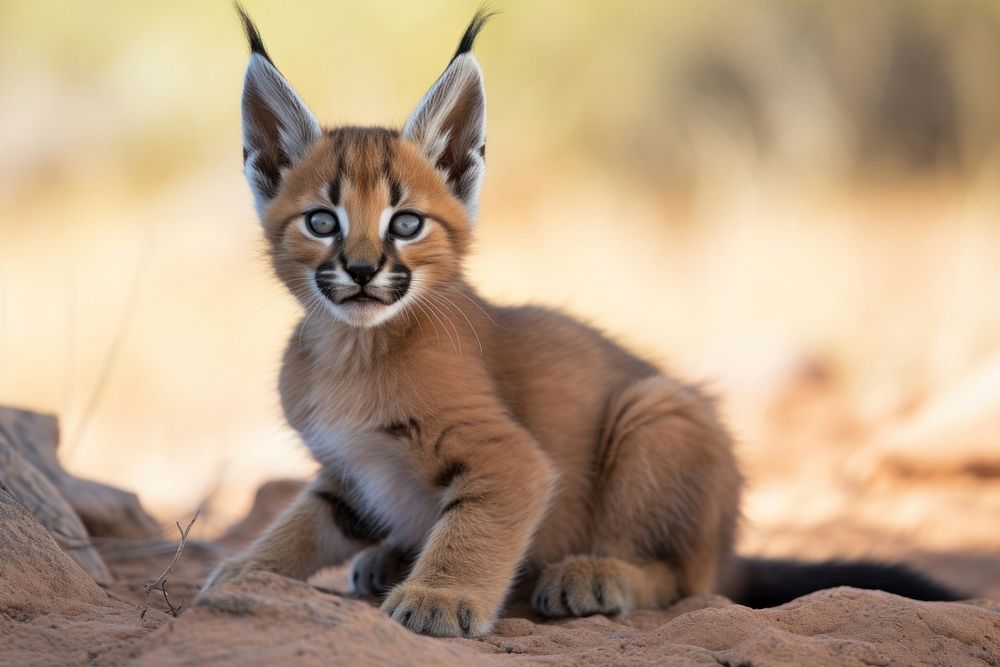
(363, 305)
(362, 297)
(363, 309)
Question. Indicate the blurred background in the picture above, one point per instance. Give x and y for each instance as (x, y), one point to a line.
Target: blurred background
(805, 191)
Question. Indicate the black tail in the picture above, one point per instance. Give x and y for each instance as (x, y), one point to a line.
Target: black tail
(769, 583)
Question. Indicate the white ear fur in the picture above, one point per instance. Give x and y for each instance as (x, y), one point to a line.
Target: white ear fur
(278, 128)
(449, 125)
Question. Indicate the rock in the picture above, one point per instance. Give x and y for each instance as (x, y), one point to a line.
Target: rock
(39, 493)
(51, 612)
(845, 626)
(265, 619)
(104, 510)
(73, 510)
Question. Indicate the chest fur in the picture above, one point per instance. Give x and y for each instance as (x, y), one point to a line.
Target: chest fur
(386, 483)
(341, 410)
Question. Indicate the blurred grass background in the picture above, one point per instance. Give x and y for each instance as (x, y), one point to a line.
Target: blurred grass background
(796, 200)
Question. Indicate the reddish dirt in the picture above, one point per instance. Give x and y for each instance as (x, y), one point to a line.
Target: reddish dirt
(51, 612)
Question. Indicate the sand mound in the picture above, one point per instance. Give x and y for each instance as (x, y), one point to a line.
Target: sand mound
(840, 626)
(53, 613)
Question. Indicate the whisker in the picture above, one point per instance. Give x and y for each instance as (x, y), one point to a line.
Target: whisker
(430, 293)
(418, 301)
(448, 301)
(474, 303)
(438, 314)
(433, 310)
(312, 305)
(406, 309)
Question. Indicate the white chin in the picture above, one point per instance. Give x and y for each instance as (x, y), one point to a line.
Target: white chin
(365, 314)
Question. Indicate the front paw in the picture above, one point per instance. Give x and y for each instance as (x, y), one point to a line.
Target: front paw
(438, 611)
(378, 569)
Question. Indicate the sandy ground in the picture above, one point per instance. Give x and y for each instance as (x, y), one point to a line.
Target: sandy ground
(922, 487)
(52, 613)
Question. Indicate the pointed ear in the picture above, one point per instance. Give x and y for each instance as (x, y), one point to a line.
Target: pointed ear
(449, 124)
(277, 126)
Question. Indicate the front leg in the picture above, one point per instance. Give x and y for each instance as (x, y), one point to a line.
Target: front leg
(497, 485)
(318, 529)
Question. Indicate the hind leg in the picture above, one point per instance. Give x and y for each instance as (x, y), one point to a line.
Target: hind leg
(664, 507)
(584, 585)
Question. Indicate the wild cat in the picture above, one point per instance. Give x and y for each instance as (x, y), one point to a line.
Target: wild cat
(465, 446)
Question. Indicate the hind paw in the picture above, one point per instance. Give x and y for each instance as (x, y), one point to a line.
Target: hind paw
(379, 568)
(580, 586)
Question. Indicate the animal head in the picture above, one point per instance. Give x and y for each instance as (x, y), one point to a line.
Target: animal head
(362, 219)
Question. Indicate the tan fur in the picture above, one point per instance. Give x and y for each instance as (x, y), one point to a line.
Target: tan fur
(488, 442)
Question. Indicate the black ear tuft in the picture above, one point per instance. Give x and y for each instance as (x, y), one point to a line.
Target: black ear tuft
(483, 14)
(253, 35)
(449, 124)
(278, 129)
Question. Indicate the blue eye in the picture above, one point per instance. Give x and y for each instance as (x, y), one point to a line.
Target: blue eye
(323, 223)
(406, 225)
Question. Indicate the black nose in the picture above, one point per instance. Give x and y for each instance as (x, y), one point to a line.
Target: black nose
(361, 273)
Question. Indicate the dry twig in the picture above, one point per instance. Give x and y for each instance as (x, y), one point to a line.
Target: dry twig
(160, 583)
